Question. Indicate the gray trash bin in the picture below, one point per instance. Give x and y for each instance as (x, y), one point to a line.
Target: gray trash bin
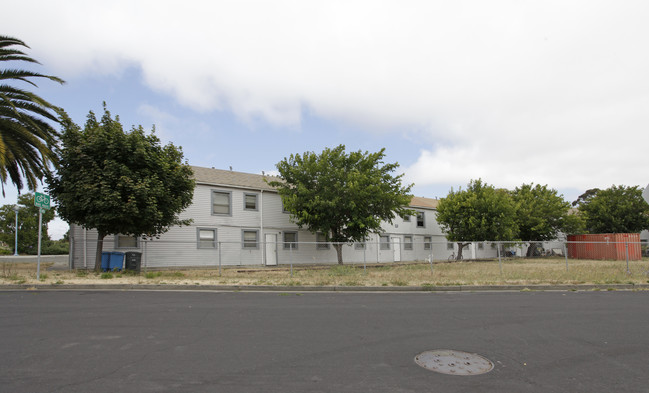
(133, 261)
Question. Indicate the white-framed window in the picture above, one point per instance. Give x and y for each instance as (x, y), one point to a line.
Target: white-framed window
(222, 202)
(290, 240)
(407, 242)
(321, 240)
(420, 220)
(126, 241)
(384, 242)
(428, 242)
(249, 201)
(449, 246)
(406, 218)
(206, 237)
(249, 239)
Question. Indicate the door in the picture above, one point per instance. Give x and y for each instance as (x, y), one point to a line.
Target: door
(396, 249)
(270, 243)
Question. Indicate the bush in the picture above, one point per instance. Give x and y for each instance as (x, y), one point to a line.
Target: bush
(55, 247)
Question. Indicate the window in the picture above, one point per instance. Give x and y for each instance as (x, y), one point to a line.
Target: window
(407, 242)
(206, 237)
(359, 245)
(125, 241)
(322, 241)
(250, 239)
(406, 218)
(480, 246)
(420, 219)
(290, 240)
(428, 242)
(221, 202)
(384, 242)
(449, 246)
(250, 201)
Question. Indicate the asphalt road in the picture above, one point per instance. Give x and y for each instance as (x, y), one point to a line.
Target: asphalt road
(103, 341)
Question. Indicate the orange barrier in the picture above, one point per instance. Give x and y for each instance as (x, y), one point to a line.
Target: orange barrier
(610, 246)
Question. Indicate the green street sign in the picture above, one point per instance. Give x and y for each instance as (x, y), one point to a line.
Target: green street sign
(42, 201)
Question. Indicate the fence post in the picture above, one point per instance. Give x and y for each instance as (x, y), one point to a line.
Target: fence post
(626, 246)
(219, 259)
(290, 255)
(364, 258)
(431, 259)
(565, 253)
(145, 255)
(500, 262)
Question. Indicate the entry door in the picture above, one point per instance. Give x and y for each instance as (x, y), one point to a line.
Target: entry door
(396, 251)
(271, 249)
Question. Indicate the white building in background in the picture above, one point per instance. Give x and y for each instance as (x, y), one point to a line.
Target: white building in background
(238, 219)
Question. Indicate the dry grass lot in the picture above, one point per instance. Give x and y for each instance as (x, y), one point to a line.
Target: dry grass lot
(491, 272)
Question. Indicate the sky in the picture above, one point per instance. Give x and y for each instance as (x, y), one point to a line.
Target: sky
(552, 92)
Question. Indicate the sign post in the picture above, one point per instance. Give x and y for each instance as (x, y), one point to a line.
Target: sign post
(41, 201)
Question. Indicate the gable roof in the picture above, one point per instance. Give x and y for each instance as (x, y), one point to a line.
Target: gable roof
(220, 177)
(427, 203)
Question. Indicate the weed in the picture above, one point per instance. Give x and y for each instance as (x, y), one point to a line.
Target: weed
(153, 274)
(338, 271)
(43, 277)
(81, 273)
(399, 283)
(106, 276)
(58, 282)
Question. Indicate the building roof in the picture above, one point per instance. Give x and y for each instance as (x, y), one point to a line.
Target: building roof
(220, 177)
(428, 203)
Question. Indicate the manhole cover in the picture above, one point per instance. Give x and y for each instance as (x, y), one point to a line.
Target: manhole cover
(447, 361)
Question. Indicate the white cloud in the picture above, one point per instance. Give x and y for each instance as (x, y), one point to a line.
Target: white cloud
(552, 92)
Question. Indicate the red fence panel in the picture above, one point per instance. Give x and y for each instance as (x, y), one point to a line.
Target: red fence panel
(605, 246)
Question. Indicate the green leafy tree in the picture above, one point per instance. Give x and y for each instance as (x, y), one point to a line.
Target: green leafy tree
(119, 182)
(343, 196)
(27, 139)
(618, 209)
(585, 197)
(27, 224)
(541, 213)
(479, 213)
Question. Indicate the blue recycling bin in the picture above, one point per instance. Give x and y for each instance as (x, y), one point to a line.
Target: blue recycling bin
(116, 261)
(105, 261)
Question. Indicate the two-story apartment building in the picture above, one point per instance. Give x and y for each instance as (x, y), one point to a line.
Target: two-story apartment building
(238, 219)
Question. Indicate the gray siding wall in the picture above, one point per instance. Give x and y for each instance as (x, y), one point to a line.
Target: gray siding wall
(179, 247)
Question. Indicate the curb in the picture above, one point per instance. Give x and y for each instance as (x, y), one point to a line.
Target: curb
(271, 288)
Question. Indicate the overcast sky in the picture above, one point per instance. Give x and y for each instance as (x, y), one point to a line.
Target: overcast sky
(549, 92)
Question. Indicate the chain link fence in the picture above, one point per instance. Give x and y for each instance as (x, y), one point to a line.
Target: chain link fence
(163, 254)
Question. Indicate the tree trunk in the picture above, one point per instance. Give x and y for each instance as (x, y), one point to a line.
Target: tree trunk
(460, 247)
(100, 249)
(532, 250)
(339, 252)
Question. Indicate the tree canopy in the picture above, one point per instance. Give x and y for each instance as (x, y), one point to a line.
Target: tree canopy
(343, 196)
(541, 213)
(27, 139)
(119, 182)
(617, 209)
(479, 213)
(27, 224)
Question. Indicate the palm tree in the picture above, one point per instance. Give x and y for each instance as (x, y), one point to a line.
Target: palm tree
(27, 140)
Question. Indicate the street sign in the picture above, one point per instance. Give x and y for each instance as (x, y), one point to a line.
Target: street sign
(42, 201)
(645, 194)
